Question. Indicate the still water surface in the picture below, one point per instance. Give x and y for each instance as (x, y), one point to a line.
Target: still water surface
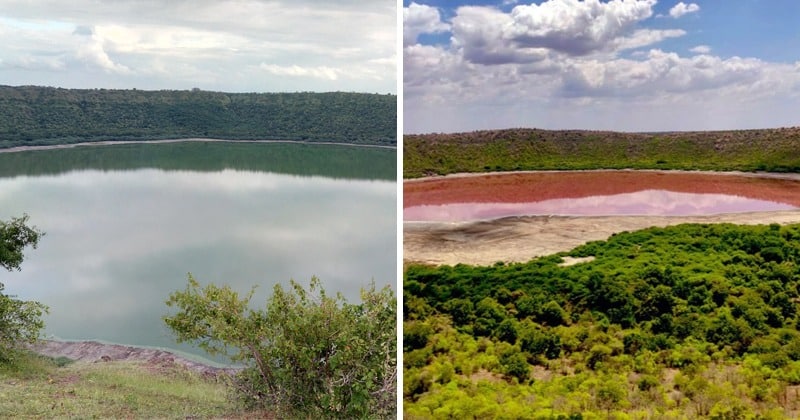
(640, 203)
(119, 241)
(596, 193)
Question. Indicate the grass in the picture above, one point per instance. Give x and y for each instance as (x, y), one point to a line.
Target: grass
(774, 150)
(33, 386)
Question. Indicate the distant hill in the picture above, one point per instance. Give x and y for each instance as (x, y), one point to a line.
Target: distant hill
(776, 150)
(32, 115)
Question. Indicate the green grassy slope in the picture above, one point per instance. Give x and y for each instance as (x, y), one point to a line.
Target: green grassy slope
(32, 386)
(775, 150)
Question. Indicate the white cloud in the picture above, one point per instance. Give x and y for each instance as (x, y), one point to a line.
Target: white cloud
(421, 19)
(645, 37)
(91, 51)
(682, 8)
(322, 72)
(212, 44)
(33, 63)
(533, 33)
(574, 27)
(481, 33)
(569, 64)
(660, 73)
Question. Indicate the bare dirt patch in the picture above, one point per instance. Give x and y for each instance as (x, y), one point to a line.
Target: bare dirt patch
(92, 351)
(519, 239)
(568, 261)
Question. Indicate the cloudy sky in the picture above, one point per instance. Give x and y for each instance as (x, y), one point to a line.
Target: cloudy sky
(632, 65)
(227, 45)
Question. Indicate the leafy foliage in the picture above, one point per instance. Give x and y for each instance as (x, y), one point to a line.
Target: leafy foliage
(308, 354)
(20, 321)
(689, 321)
(31, 115)
(15, 236)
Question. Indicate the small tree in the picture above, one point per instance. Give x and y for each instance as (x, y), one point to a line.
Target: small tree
(20, 321)
(15, 236)
(307, 354)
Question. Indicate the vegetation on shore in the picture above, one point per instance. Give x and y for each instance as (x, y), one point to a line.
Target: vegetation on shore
(35, 116)
(306, 355)
(20, 321)
(34, 386)
(689, 321)
(773, 150)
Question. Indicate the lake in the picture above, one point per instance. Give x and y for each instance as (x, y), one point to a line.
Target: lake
(125, 224)
(596, 193)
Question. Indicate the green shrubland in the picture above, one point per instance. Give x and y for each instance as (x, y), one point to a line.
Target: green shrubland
(689, 321)
(774, 150)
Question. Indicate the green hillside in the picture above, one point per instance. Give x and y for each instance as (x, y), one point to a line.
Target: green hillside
(31, 115)
(775, 150)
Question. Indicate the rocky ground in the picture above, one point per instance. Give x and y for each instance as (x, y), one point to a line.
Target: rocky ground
(93, 351)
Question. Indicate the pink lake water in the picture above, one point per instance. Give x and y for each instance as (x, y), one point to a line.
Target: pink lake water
(639, 203)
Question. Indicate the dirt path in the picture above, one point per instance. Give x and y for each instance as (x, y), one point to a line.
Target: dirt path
(518, 239)
(93, 351)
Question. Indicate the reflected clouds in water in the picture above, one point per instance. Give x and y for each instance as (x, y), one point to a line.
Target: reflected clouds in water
(117, 243)
(646, 202)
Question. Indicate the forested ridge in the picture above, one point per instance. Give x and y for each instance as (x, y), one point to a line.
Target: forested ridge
(33, 115)
(689, 321)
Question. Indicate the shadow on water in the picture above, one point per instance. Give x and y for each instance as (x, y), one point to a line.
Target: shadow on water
(327, 160)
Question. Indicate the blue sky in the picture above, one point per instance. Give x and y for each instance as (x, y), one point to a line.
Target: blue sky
(227, 45)
(633, 65)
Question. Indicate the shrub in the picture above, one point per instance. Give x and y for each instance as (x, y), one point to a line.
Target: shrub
(20, 321)
(308, 354)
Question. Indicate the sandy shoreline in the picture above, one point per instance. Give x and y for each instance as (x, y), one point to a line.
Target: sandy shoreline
(792, 176)
(93, 351)
(519, 239)
(185, 140)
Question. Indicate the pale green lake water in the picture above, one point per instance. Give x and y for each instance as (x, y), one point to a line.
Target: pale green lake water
(118, 241)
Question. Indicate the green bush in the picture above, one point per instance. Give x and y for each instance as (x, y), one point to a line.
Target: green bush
(20, 321)
(308, 355)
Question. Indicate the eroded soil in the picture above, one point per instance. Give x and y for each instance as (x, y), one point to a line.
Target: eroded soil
(93, 351)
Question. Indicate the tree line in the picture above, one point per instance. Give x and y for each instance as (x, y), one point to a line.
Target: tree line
(33, 115)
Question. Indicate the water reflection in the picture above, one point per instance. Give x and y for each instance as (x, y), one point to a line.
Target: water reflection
(118, 242)
(646, 202)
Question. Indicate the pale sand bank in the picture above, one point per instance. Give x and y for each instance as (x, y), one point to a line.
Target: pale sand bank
(519, 239)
